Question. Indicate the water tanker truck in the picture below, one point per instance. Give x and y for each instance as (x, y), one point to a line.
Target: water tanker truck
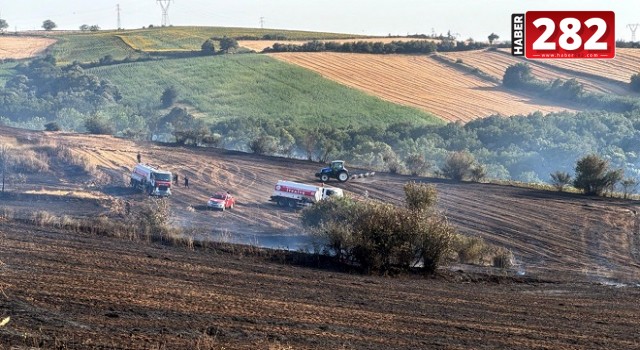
(293, 194)
(151, 180)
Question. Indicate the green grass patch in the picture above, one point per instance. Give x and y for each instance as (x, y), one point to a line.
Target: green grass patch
(90, 47)
(250, 85)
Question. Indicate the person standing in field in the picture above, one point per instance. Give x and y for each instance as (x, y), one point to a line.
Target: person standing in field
(186, 182)
(139, 157)
(175, 180)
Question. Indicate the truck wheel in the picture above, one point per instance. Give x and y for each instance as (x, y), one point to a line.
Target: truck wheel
(324, 177)
(282, 202)
(292, 204)
(343, 176)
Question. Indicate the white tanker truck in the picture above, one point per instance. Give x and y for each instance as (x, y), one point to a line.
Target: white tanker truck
(293, 194)
(151, 180)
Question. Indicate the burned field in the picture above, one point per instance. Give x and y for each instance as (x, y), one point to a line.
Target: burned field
(574, 285)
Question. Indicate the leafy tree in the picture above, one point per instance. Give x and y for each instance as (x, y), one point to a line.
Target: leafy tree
(227, 43)
(94, 28)
(49, 25)
(635, 82)
(169, 96)
(516, 75)
(3, 25)
(492, 37)
(593, 175)
(84, 27)
(208, 47)
(560, 179)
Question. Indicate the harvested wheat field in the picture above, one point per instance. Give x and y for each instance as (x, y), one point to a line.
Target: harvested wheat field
(421, 82)
(259, 45)
(495, 63)
(18, 47)
(621, 68)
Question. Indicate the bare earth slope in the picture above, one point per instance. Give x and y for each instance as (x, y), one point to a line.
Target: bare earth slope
(421, 82)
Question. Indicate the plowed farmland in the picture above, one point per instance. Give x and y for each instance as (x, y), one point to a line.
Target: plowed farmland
(495, 63)
(19, 47)
(574, 285)
(421, 82)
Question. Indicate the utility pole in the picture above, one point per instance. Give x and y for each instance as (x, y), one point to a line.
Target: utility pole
(164, 4)
(261, 22)
(633, 27)
(119, 23)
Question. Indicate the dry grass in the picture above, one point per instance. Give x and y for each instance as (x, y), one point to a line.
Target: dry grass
(19, 47)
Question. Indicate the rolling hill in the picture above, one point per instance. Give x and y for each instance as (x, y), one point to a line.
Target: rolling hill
(421, 82)
(222, 87)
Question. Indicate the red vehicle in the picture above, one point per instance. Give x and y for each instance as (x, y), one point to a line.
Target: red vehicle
(221, 201)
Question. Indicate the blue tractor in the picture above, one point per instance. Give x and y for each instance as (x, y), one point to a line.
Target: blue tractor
(336, 171)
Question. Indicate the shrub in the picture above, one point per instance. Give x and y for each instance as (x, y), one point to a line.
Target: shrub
(560, 179)
(169, 96)
(417, 164)
(262, 145)
(458, 165)
(382, 237)
(420, 196)
(52, 126)
(208, 47)
(98, 126)
(517, 75)
(478, 173)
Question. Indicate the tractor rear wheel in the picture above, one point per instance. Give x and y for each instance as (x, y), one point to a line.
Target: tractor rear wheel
(343, 176)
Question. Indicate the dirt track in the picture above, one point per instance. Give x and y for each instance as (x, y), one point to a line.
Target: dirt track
(97, 292)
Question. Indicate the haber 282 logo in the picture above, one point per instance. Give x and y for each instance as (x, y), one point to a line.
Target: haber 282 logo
(563, 34)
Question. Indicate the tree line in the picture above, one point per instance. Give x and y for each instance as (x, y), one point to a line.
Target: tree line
(378, 47)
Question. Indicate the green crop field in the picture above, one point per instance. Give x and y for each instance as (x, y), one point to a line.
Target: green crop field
(90, 47)
(191, 38)
(228, 86)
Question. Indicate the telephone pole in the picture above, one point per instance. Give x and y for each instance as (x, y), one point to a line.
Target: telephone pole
(164, 4)
(261, 22)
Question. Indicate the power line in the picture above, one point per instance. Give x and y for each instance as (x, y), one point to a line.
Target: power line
(164, 4)
(633, 27)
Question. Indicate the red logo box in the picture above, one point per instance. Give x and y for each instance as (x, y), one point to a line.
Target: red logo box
(569, 35)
